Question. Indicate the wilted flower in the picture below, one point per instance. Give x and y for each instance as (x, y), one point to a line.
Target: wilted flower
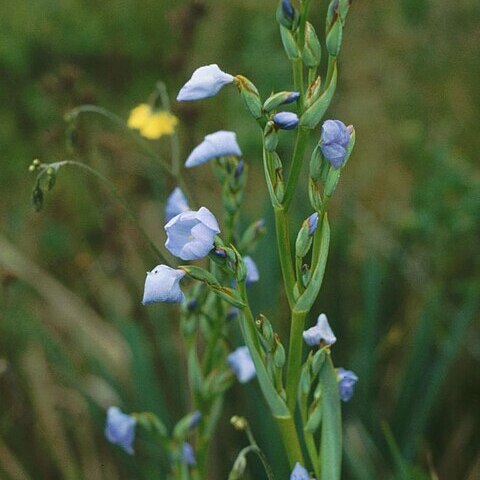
(163, 285)
(252, 271)
(334, 142)
(120, 429)
(286, 120)
(321, 332)
(299, 473)
(176, 203)
(190, 234)
(240, 361)
(346, 383)
(188, 454)
(152, 123)
(312, 223)
(218, 144)
(205, 82)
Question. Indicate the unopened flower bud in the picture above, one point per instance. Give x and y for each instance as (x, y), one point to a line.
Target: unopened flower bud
(286, 120)
(280, 98)
(334, 38)
(239, 423)
(270, 136)
(250, 96)
(312, 51)
(287, 15)
(289, 43)
(313, 92)
(312, 222)
(278, 354)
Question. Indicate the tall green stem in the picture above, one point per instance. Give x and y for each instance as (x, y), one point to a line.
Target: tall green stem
(296, 167)
(294, 365)
(285, 253)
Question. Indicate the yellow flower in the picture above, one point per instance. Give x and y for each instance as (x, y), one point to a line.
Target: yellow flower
(152, 124)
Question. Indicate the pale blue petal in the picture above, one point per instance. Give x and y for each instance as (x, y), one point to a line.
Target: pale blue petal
(299, 473)
(163, 285)
(176, 203)
(205, 82)
(252, 271)
(286, 120)
(214, 145)
(241, 363)
(346, 383)
(320, 332)
(120, 429)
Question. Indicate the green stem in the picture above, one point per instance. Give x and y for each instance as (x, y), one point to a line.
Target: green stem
(296, 167)
(332, 61)
(285, 253)
(294, 363)
(162, 255)
(288, 433)
(297, 69)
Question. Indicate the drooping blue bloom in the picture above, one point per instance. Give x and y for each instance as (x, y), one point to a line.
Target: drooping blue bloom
(313, 223)
(334, 142)
(120, 429)
(188, 454)
(321, 332)
(190, 234)
(163, 285)
(299, 473)
(240, 361)
(206, 82)
(196, 417)
(252, 271)
(286, 120)
(346, 383)
(293, 96)
(218, 144)
(176, 203)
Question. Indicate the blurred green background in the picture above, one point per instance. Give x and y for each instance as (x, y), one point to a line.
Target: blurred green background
(402, 285)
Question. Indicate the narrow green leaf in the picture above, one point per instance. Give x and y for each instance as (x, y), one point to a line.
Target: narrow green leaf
(331, 442)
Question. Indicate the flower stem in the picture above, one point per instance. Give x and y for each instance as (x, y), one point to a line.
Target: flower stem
(296, 167)
(294, 364)
(285, 253)
(289, 435)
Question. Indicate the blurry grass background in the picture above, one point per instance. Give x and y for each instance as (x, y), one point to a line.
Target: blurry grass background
(402, 283)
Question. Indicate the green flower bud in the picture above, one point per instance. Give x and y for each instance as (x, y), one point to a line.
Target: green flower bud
(278, 99)
(304, 242)
(312, 51)
(278, 354)
(250, 96)
(334, 38)
(270, 136)
(287, 14)
(313, 92)
(315, 195)
(289, 44)
(266, 332)
(317, 361)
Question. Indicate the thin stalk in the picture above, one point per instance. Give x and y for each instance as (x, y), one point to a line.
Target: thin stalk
(285, 253)
(297, 69)
(113, 190)
(288, 433)
(296, 167)
(294, 362)
(331, 66)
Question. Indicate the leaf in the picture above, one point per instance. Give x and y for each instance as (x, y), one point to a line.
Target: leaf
(331, 442)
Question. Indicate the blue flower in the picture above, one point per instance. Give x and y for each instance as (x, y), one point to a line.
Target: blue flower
(313, 223)
(299, 473)
(252, 271)
(190, 234)
(334, 142)
(321, 332)
(240, 361)
(120, 429)
(205, 82)
(188, 454)
(288, 9)
(286, 120)
(346, 383)
(218, 144)
(163, 285)
(176, 203)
